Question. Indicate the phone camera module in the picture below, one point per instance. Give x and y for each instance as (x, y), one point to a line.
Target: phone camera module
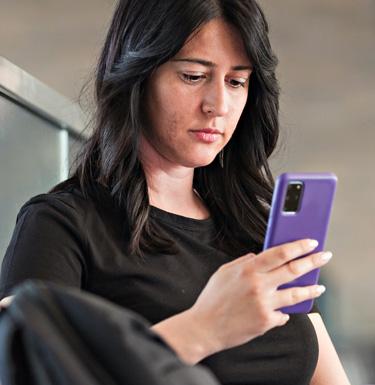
(293, 197)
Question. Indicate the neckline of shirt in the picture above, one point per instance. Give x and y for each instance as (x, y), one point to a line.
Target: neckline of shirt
(181, 221)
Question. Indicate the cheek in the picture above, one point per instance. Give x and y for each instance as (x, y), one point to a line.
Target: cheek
(171, 123)
(237, 109)
(171, 111)
(165, 114)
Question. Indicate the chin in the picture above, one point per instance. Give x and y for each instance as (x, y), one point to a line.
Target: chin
(204, 161)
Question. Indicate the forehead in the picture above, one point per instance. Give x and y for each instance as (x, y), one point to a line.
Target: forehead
(217, 41)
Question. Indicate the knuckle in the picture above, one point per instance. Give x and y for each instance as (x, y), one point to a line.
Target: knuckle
(244, 273)
(255, 288)
(298, 294)
(302, 247)
(294, 268)
(247, 272)
(283, 254)
(295, 295)
(298, 248)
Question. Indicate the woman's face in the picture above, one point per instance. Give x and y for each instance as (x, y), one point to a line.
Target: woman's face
(204, 87)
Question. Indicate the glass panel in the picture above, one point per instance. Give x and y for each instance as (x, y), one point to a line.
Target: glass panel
(31, 153)
(75, 145)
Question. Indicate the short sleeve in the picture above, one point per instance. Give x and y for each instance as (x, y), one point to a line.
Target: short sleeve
(47, 244)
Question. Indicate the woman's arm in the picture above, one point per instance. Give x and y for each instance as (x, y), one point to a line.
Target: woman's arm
(329, 369)
(241, 290)
(186, 336)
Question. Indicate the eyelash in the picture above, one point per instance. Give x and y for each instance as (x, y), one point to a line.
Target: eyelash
(188, 79)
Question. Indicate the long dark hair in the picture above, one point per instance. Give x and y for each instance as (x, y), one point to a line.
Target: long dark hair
(143, 35)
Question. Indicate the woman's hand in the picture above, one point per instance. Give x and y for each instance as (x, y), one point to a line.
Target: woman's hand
(240, 300)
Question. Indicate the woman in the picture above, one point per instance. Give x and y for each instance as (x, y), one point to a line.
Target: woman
(167, 209)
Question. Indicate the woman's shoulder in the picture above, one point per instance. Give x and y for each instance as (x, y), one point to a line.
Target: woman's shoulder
(66, 198)
(74, 208)
(69, 198)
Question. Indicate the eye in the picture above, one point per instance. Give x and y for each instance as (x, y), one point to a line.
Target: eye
(192, 78)
(195, 79)
(237, 83)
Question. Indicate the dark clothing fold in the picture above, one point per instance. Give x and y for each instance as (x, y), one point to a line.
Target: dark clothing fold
(53, 335)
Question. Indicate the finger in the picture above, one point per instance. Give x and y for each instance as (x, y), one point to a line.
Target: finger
(277, 256)
(294, 295)
(281, 318)
(244, 259)
(6, 301)
(297, 268)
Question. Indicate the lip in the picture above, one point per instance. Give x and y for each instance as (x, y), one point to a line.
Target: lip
(207, 135)
(209, 130)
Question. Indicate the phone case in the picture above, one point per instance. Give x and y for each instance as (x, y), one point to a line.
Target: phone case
(310, 221)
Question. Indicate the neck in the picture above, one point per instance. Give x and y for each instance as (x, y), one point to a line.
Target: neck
(170, 186)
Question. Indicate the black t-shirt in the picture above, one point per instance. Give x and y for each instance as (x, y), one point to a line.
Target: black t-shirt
(68, 239)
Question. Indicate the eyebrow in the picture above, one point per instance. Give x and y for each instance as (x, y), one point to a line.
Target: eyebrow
(210, 64)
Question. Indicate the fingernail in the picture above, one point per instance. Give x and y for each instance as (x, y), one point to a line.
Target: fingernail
(313, 243)
(320, 289)
(326, 256)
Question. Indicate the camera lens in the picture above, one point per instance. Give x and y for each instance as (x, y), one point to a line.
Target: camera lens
(293, 197)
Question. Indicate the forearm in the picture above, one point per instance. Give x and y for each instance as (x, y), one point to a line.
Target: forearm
(186, 336)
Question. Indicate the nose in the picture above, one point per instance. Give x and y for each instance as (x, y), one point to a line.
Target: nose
(215, 100)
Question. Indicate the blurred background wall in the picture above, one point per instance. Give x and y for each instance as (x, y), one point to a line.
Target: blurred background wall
(327, 75)
(326, 50)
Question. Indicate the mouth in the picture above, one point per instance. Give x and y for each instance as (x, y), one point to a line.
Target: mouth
(207, 135)
(209, 131)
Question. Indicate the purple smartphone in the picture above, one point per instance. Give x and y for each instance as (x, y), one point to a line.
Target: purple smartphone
(301, 208)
